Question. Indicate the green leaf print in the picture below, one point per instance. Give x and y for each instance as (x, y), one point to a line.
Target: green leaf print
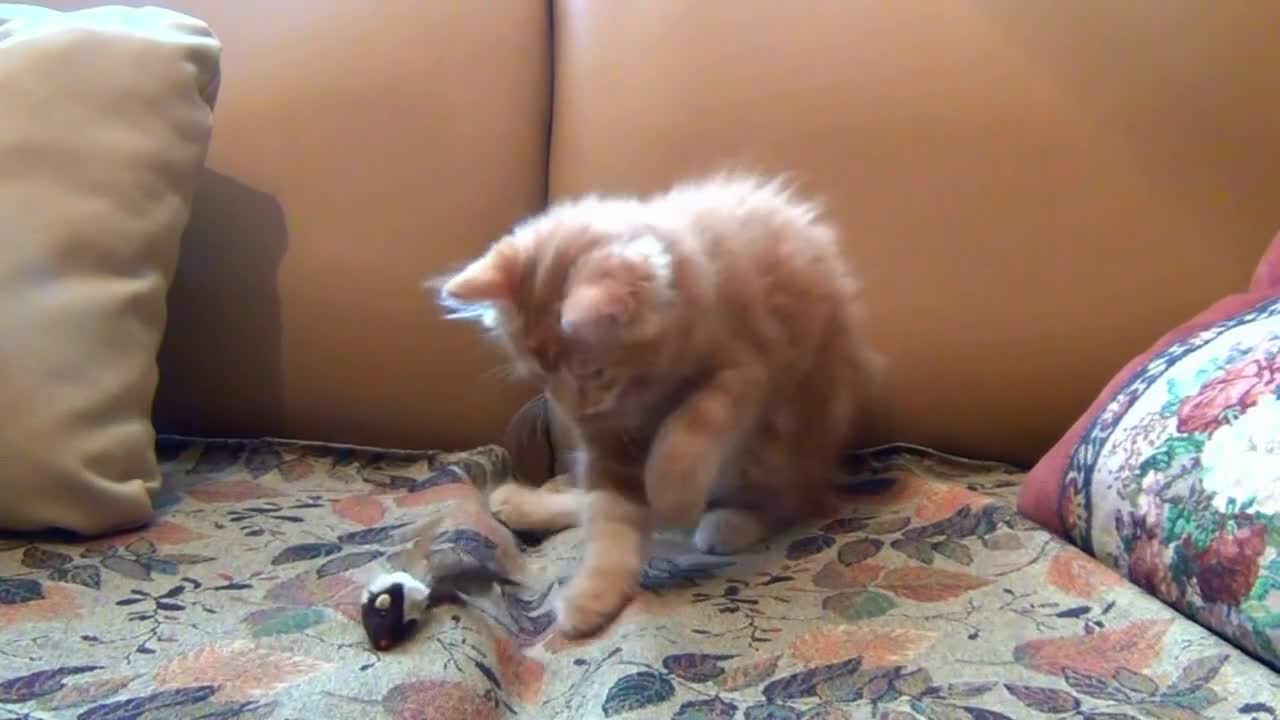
(1175, 394)
(1179, 390)
(1270, 576)
(1170, 451)
(285, 621)
(1180, 566)
(1203, 530)
(637, 691)
(1178, 520)
(861, 605)
(1260, 635)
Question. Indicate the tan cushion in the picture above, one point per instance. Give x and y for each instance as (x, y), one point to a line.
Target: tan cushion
(1035, 190)
(104, 126)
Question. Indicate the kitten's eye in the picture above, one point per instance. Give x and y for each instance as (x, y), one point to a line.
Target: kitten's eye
(594, 375)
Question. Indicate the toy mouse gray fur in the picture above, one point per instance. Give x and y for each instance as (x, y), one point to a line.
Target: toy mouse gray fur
(395, 603)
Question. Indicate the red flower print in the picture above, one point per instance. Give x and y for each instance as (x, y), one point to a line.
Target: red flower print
(1228, 568)
(1148, 570)
(1239, 388)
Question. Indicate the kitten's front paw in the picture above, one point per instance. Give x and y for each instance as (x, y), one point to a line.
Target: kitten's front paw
(535, 510)
(587, 605)
(517, 507)
(728, 531)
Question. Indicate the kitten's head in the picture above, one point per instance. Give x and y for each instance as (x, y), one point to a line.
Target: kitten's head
(581, 298)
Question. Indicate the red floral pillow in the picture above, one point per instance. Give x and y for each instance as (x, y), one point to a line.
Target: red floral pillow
(1172, 477)
(1041, 495)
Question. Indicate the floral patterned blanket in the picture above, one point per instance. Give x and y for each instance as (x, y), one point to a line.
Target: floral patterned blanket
(928, 597)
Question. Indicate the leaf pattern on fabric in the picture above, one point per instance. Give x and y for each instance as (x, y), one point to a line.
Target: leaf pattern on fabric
(1094, 686)
(39, 684)
(709, 709)
(306, 551)
(1077, 574)
(928, 584)
(371, 536)
(804, 684)
(1197, 674)
(1136, 682)
(861, 605)
(748, 674)
(83, 575)
(845, 526)
(770, 711)
(835, 575)
(522, 674)
(135, 707)
(285, 620)
(926, 596)
(1101, 653)
(695, 667)
(876, 646)
(85, 693)
(447, 699)
(128, 567)
(36, 602)
(39, 558)
(345, 563)
(163, 533)
(241, 670)
(1043, 699)
(15, 591)
(366, 510)
(856, 551)
(637, 691)
(225, 492)
(812, 545)
(474, 546)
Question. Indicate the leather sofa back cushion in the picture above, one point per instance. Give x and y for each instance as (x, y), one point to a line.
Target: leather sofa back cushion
(360, 148)
(1034, 190)
(104, 125)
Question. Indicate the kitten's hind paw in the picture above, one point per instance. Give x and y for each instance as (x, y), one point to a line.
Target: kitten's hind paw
(728, 531)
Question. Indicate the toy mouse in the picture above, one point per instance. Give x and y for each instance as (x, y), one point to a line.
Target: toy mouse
(393, 605)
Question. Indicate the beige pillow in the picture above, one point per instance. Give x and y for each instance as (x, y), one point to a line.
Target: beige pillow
(105, 118)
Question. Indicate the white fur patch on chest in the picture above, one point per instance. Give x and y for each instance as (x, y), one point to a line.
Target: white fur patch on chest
(650, 250)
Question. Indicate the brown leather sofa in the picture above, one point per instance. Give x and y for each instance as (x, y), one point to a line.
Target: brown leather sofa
(1034, 190)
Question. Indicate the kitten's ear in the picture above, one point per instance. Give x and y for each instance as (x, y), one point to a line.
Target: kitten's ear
(487, 279)
(594, 314)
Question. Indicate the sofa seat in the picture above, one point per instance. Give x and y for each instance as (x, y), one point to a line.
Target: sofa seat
(926, 597)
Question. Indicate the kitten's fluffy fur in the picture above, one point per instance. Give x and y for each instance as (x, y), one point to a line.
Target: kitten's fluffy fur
(703, 345)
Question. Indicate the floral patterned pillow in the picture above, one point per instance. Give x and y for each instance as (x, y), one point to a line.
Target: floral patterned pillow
(1173, 475)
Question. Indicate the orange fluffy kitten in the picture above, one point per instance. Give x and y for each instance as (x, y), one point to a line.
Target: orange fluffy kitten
(704, 346)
